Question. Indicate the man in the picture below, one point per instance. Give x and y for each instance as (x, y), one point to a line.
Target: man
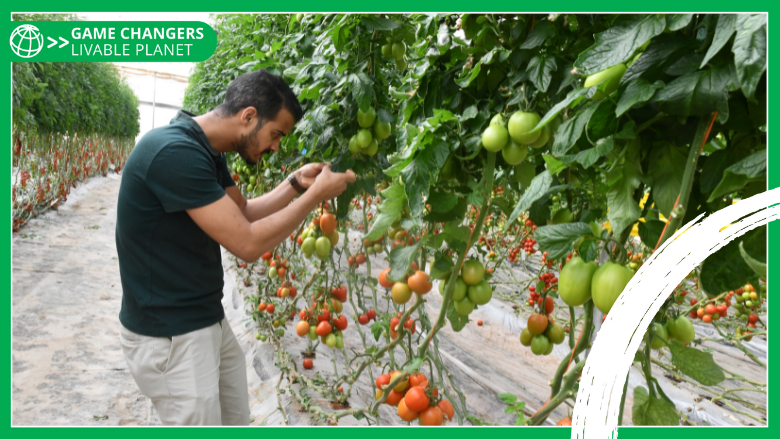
(177, 205)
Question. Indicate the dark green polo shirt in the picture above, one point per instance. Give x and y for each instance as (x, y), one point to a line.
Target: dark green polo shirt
(171, 269)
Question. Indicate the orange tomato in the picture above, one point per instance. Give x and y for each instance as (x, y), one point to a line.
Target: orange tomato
(383, 279)
(416, 399)
(447, 408)
(394, 398)
(431, 416)
(405, 412)
(420, 282)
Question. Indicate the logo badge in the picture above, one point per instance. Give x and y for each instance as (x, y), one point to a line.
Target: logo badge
(26, 41)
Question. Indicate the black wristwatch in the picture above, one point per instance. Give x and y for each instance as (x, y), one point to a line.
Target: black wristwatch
(295, 184)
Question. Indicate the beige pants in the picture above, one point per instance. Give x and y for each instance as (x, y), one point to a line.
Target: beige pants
(197, 378)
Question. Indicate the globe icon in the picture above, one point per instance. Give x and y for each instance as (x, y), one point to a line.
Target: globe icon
(26, 41)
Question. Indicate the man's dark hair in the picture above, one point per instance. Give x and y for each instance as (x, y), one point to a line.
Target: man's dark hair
(264, 91)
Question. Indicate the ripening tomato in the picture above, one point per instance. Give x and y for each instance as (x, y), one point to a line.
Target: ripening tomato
(537, 323)
(382, 380)
(363, 319)
(565, 422)
(394, 398)
(371, 314)
(473, 271)
(323, 329)
(417, 379)
(307, 363)
(405, 413)
(401, 293)
(447, 408)
(383, 279)
(341, 323)
(525, 337)
(403, 384)
(432, 416)
(549, 304)
(302, 328)
(328, 223)
(420, 282)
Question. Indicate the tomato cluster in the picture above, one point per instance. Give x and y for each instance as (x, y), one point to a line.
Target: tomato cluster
(415, 398)
(320, 236)
(319, 321)
(470, 289)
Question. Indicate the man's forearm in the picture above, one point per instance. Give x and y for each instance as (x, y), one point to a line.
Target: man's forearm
(270, 231)
(270, 203)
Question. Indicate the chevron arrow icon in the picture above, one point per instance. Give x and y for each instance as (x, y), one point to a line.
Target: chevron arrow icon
(64, 42)
(53, 42)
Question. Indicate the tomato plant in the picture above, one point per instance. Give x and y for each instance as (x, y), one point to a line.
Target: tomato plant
(564, 148)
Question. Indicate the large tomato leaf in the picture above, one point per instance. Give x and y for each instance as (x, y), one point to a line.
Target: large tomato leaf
(667, 166)
(603, 122)
(637, 91)
(737, 176)
(571, 130)
(543, 30)
(677, 21)
(401, 259)
(393, 202)
(727, 24)
(540, 70)
(622, 181)
(750, 51)
(616, 44)
(649, 410)
(362, 89)
(539, 186)
(726, 269)
(650, 231)
(571, 97)
(697, 94)
(696, 363)
(557, 239)
(457, 321)
(663, 50)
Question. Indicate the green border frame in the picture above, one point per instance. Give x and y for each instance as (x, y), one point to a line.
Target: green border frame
(361, 6)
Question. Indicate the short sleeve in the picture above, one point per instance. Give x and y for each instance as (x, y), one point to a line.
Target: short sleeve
(184, 177)
(227, 178)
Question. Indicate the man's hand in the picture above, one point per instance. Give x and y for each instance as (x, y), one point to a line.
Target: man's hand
(308, 173)
(328, 185)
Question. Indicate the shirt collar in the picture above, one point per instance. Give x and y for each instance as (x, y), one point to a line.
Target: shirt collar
(187, 117)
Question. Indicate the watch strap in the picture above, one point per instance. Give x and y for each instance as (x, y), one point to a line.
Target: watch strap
(296, 184)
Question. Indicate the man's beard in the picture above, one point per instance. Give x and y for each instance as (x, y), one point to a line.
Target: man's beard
(247, 143)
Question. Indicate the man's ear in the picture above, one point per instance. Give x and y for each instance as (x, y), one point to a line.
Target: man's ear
(248, 116)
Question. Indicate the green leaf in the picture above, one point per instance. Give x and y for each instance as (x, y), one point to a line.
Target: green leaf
(536, 190)
(649, 410)
(571, 130)
(558, 239)
(571, 97)
(616, 44)
(696, 363)
(623, 181)
(456, 236)
(393, 202)
(543, 31)
(457, 321)
(401, 259)
(508, 398)
(589, 250)
(726, 269)
(697, 94)
(362, 90)
(727, 24)
(650, 231)
(540, 69)
(554, 166)
(714, 167)
(441, 265)
(591, 155)
(456, 213)
(662, 50)
(737, 176)
(442, 200)
(603, 122)
(758, 267)
(377, 23)
(377, 328)
(469, 113)
(750, 51)
(667, 166)
(677, 21)
(414, 365)
(469, 77)
(636, 92)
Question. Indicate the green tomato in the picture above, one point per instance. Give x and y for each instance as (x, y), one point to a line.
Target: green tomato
(381, 129)
(378, 248)
(607, 80)
(398, 49)
(473, 271)
(544, 136)
(280, 332)
(480, 293)
(682, 329)
(520, 124)
(313, 332)
(322, 247)
(464, 307)
(370, 250)
(364, 138)
(308, 246)
(354, 148)
(498, 120)
(400, 64)
(574, 282)
(371, 149)
(608, 282)
(330, 340)
(366, 120)
(555, 333)
(263, 337)
(514, 153)
(272, 273)
(339, 342)
(526, 337)
(657, 342)
(258, 335)
(253, 179)
(387, 50)
(495, 137)
(549, 349)
(539, 344)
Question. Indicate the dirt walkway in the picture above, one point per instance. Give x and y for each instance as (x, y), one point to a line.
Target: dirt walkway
(68, 367)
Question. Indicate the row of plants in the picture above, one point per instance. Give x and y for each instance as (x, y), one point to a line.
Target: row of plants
(557, 150)
(71, 121)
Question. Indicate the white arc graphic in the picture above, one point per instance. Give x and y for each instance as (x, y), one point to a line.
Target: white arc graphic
(601, 387)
